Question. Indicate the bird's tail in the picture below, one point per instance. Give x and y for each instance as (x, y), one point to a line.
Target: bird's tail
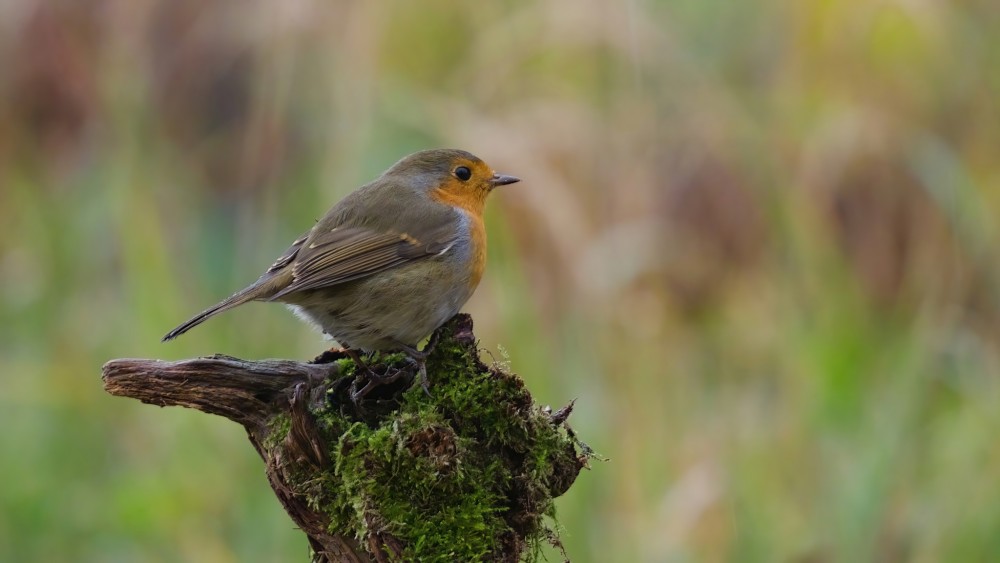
(248, 294)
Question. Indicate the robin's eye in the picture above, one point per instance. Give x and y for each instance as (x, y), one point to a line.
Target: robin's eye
(463, 173)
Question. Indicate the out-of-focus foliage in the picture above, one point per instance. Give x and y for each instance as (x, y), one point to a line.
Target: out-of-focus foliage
(758, 241)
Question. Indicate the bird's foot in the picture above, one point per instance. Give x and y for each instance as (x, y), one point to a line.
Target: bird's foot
(362, 369)
(418, 358)
(372, 378)
(421, 366)
(375, 380)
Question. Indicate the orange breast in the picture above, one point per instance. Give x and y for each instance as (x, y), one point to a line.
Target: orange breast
(473, 207)
(478, 236)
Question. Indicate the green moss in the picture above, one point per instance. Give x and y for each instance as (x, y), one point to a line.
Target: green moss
(278, 428)
(347, 367)
(412, 478)
(465, 474)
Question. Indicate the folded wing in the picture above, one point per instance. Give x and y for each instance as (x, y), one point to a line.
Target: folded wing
(346, 254)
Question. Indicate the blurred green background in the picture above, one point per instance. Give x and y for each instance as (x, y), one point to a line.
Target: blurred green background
(756, 240)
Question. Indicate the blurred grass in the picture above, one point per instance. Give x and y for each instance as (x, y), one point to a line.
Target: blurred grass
(756, 241)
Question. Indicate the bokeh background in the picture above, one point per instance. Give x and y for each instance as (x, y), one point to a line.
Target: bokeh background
(757, 241)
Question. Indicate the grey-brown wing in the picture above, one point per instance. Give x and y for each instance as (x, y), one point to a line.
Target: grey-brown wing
(289, 255)
(345, 254)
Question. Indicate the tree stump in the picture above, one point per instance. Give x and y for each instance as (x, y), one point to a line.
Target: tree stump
(466, 473)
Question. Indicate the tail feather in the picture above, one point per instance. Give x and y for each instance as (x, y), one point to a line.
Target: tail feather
(248, 294)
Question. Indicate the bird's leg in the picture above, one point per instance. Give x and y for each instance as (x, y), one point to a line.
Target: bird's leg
(356, 358)
(360, 367)
(431, 344)
(419, 359)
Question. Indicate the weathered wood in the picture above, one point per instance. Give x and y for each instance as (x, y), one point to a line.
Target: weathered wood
(240, 390)
(250, 393)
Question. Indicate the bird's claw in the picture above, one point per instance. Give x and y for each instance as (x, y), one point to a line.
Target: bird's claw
(421, 365)
(374, 380)
(417, 358)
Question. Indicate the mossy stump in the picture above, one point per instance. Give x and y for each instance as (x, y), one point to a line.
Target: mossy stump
(466, 473)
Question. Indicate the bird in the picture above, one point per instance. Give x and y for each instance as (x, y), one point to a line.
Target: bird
(389, 263)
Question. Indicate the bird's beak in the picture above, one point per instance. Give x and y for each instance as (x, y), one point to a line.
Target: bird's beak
(502, 180)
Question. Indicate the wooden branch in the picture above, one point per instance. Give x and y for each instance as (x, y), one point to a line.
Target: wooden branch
(250, 393)
(348, 496)
(242, 391)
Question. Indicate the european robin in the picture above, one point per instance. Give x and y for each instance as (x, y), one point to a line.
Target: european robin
(388, 264)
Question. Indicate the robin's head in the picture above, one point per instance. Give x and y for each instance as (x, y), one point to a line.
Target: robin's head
(450, 175)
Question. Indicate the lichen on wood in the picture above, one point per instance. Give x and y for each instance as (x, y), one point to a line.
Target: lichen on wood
(467, 472)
